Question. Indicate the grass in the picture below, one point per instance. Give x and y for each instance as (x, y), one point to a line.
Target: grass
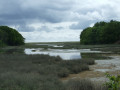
(43, 72)
(28, 81)
(41, 63)
(11, 50)
(96, 56)
(37, 72)
(84, 84)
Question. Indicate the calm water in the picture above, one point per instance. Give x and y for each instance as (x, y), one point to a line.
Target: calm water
(66, 54)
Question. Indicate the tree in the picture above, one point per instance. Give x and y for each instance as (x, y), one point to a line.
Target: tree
(10, 36)
(101, 33)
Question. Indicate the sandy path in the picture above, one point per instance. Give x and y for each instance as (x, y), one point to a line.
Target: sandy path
(97, 71)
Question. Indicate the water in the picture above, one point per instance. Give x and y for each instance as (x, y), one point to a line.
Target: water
(65, 54)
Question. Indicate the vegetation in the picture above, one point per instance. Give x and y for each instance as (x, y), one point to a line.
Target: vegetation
(10, 36)
(84, 84)
(37, 72)
(101, 33)
(96, 56)
(43, 72)
(114, 82)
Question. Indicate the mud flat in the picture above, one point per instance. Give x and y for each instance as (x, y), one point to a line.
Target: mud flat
(97, 71)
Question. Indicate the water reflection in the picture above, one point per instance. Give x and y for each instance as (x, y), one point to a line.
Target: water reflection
(65, 54)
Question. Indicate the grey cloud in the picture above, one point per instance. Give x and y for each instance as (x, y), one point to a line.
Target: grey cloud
(59, 28)
(16, 12)
(82, 24)
(25, 28)
(44, 28)
(24, 12)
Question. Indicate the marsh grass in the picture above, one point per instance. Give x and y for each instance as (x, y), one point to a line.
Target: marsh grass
(37, 72)
(84, 84)
(11, 50)
(95, 56)
(28, 81)
(112, 49)
(43, 72)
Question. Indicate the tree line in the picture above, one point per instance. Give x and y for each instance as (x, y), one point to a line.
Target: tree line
(101, 33)
(10, 36)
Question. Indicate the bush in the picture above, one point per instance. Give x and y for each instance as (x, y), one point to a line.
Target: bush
(113, 83)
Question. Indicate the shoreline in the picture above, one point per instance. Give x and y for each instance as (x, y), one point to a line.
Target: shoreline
(98, 70)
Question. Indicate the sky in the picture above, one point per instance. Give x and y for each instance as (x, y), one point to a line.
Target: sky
(56, 20)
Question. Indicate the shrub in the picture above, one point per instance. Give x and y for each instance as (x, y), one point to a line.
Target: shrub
(114, 82)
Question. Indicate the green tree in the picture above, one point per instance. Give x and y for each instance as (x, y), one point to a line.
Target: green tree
(101, 33)
(10, 36)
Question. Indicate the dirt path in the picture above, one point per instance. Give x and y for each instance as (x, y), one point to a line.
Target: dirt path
(97, 71)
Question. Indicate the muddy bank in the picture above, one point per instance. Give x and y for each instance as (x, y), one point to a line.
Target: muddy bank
(97, 71)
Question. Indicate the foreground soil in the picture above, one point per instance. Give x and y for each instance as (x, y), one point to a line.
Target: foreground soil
(97, 71)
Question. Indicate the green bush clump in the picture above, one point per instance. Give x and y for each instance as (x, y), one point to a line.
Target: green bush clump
(10, 36)
(114, 82)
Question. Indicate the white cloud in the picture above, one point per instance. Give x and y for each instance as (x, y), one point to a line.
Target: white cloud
(53, 36)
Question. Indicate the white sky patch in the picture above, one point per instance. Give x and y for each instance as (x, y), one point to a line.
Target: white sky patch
(91, 25)
(53, 36)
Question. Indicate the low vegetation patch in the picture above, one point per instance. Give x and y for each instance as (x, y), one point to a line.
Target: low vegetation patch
(84, 84)
(37, 72)
(95, 56)
(43, 72)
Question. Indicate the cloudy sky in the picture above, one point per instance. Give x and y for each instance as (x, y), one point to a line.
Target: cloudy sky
(56, 20)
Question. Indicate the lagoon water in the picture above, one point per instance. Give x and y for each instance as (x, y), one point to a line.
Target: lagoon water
(65, 54)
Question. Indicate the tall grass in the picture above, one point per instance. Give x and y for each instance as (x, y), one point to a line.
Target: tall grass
(37, 72)
(84, 84)
(43, 72)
